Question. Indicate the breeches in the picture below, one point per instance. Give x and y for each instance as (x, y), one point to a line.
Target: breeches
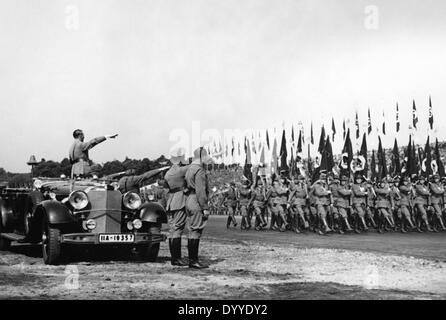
(359, 210)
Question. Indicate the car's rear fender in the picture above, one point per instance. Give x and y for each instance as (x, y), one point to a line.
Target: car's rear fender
(153, 212)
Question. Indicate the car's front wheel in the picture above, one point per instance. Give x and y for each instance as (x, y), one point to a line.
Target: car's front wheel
(149, 252)
(51, 247)
(5, 244)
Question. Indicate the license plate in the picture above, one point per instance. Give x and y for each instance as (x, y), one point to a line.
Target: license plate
(116, 238)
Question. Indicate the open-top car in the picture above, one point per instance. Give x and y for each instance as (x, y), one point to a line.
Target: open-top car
(61, 212)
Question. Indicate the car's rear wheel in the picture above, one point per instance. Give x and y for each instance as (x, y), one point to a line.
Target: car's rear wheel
(51, 246)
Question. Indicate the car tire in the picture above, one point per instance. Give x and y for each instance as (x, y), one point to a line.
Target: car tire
(51, 246)
(149, 252)
(5, 244)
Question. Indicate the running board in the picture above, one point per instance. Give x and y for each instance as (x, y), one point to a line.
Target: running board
(12, 236)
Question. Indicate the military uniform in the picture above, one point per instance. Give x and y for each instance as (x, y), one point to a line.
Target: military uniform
(244, 196)
(421, 201)
(134, 183)
(276, 196)
(437, 194)
(384, 204)
(176, 208)
(298, 202)
(78, 155)
(258, 199)
(230, 203)
(341, 202)
(322, 201)
(405, 204)
(196, 204)
(359, 199)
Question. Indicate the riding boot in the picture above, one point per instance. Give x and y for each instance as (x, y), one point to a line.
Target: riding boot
(176, 252)
(440, 219)
(364, 224)
(327, 228)
(295, 224)
(428, 227)
(193, 245)
(347, 225)
(228, 222)
(243, 224)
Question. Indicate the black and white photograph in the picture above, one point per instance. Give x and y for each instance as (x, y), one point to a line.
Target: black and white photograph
(224, 151)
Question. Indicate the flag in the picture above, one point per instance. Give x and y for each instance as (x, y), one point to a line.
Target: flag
(233, 147)
(274, 160)
(427, 161)
(343, 128)
(309, 162)
(327, 162)
(397, 118)
(292, 135)
(374, 173)
(312, 137)
(431, 115)
(384, 124)
(299, 143)
(414, 115)
(283, 154)
(369, 123)
(382, 164)
(321, 141)
(253, 144)
(415, 163)
(438, 160)
(357, 126)
(363, 152)
(262, 157)
(247, 168)
(395, 166)
(267, 139)
(333, 128)
(347, 155)
(293, 167)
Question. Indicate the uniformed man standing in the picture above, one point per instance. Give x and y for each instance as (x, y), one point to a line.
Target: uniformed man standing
(176, 203)
(197, 207)
(78, 153)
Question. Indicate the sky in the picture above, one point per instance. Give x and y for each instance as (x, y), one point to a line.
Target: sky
(145, 68)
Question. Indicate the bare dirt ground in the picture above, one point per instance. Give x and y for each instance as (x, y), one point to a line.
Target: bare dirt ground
(244, 265)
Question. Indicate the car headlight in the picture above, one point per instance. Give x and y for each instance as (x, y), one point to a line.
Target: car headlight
(78, 200)
(132, 200)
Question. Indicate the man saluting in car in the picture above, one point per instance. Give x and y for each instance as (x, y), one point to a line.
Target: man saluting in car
(79, 153)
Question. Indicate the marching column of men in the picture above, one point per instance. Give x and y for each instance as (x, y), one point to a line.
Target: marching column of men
(338, 204)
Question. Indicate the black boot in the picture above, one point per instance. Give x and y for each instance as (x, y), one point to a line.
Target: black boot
(228, 222)
(192, 246)
(175, 252)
